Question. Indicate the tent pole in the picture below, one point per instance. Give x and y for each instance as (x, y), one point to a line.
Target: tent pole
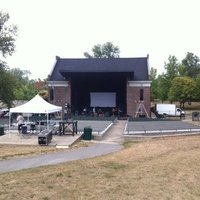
(9, 125)
(47, 120)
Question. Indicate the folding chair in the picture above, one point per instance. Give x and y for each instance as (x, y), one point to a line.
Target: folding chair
(32, 128)
(24, 131)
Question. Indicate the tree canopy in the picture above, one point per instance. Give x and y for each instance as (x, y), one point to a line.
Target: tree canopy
(107, 50)
(180, 82)
(8, 83)
(7, 47)
(7, 35)
(190, 65)
(182, 90)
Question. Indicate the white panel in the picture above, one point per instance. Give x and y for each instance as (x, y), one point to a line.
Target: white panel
(103, 99)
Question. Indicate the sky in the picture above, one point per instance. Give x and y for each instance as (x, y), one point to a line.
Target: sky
(68, 28)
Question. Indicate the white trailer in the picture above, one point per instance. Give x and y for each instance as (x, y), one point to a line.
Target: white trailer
(169, 110)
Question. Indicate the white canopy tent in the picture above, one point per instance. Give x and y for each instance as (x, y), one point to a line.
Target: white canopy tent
(36, 105)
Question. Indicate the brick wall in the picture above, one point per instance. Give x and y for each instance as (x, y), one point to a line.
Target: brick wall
(133, 98)
(61, 94)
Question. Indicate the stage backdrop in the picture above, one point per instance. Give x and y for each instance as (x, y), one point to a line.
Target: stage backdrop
(102, 99)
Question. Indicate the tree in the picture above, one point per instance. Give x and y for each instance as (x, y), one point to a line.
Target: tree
(182, 90)
(7, 47)
(164, 81)
(41, 88)
(107, 50)
(197, 88)
(191, 65)
(8, 83)
(154, 83)
(7, 35)
(24, 88)
(171, 68)
(163, 87)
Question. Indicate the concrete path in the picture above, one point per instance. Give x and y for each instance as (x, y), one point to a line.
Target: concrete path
(110, 143)
(56, 158)
(14, 138)
(115, 133)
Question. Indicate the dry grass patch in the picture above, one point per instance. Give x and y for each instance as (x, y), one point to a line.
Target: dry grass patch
(166, 168)
(13, 151)
(197, 123)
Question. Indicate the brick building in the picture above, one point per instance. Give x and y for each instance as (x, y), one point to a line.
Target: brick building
(101, 82)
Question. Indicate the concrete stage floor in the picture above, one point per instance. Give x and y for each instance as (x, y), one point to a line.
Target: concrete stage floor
(151, 128)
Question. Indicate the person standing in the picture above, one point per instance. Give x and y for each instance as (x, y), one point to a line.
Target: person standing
(20, 122)
(67, 111)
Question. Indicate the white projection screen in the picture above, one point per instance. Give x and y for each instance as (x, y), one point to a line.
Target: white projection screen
(102, 99)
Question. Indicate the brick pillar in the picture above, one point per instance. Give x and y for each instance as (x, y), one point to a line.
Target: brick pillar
(133, 96)
(61, 92)
(62, 95)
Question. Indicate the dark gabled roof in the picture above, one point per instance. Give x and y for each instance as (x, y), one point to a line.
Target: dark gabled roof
(68, 66)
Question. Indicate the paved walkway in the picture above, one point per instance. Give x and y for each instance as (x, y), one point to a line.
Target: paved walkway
(97, 149)
(115, 133)
(111, 143)
(14, 138)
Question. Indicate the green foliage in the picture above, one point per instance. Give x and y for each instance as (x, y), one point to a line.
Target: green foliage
(43, 94)
(163, 87)
(182, 70)
(24, 88)
(3, 67)
(191, 65)
(182, 90)
(154, 84)
(15, 82)
(17, 86)
(7, 92)
(41, 88)
(107, 50)
(7, 35)
(171, 86)
(197, 88)
(7, 47)
(164, 81)
(171, 67)
(25, 92)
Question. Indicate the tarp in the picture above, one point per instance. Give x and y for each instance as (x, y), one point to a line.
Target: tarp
(36, 105)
